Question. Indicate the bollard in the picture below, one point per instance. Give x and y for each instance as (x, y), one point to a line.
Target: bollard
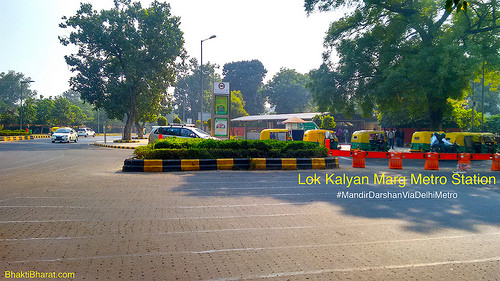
(431, 161)
(464, 162)
(395, 160)
(358, 159)
(495, 165)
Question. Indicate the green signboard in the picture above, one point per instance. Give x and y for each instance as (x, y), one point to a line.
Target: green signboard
(221, 105)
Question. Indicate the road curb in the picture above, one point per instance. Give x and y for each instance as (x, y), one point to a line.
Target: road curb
(177, 165)
(126, 141)
(18, 138)
(114, 146)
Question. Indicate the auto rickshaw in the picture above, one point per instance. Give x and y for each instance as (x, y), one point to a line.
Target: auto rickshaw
(275, 134)
(489, 143)
(53, 130)
(368, 140)
(473, 142)
(421, 141)
(319, 137)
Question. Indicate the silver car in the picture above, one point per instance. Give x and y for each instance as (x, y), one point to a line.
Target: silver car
(161, 132)
(85, 132)
(65, 134)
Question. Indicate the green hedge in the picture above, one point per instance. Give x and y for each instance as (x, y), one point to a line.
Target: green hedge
(13, 133)
(177, 148)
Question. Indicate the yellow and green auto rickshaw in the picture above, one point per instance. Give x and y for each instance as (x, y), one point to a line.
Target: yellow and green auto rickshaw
(421, 141)
(489, 143)
(319, 137)
(53, 130)
(275, 134)
(473, 142)
(369, 140)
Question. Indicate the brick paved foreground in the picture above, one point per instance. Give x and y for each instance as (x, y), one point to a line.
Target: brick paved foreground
(84, 216)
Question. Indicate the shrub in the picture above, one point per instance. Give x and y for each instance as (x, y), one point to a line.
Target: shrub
(177, 120)
(13, 133)
(180, 148)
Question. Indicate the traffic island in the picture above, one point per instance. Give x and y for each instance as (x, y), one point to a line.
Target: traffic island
(177, 165)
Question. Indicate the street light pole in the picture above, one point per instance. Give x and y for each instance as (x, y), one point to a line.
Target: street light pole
(201, 74)
(21, 107)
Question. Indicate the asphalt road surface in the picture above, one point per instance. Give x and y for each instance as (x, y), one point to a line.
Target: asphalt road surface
(67, 208)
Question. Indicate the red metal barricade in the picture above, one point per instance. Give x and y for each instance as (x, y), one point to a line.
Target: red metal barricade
(495, 165)
(358, 159)
(396, 160)
(431, 161)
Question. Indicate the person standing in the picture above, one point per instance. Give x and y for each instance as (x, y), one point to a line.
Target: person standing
(346, 134)
(390, 136)
(402, 137)
(398, 138)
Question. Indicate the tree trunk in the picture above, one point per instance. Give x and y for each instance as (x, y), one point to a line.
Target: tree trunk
(131, 115)
(140, 129)
(436, 116)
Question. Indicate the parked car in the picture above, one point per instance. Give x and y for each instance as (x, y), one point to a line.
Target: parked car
(180, 131)
(85, 132)
(64, 134)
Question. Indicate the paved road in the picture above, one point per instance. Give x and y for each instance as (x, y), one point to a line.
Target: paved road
(68, 208)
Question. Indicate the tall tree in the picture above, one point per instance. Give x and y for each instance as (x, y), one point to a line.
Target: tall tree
(28, 111)
(287, 91)
(237, 105)
(123, 54)
(10, 89)
(44, 112)
(395, 53)
(247, 77)
(188, 85)
(62, 112)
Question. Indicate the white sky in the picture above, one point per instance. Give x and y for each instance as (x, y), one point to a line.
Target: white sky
(276, 32)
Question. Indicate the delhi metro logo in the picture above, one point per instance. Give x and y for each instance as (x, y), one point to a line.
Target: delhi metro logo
(222, 86)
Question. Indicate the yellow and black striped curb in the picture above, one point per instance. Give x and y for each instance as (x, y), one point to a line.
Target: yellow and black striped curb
(114, 146)
(138, 138)
(175, 165)
(18, 138)
(126, 141)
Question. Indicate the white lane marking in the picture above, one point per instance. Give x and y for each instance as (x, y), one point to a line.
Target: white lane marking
(342, 244)
(175, 218)
(153, 207)
(32, 164)
(366, 268)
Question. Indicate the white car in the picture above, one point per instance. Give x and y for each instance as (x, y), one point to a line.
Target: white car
(177, 131)
(64, 135)
(85, 132)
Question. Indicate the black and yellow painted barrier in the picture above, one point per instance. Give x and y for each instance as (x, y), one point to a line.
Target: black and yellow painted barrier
(18, 138)
(126, 141)
(114, 146)
(176, 165)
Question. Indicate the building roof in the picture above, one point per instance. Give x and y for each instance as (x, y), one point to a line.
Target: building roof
(276, 117)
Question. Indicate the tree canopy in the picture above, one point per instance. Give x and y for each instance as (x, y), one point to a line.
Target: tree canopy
(10, 89)
(403, 55)
(187, 89)
(125, 56)
(247, 77)
(287, 91)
